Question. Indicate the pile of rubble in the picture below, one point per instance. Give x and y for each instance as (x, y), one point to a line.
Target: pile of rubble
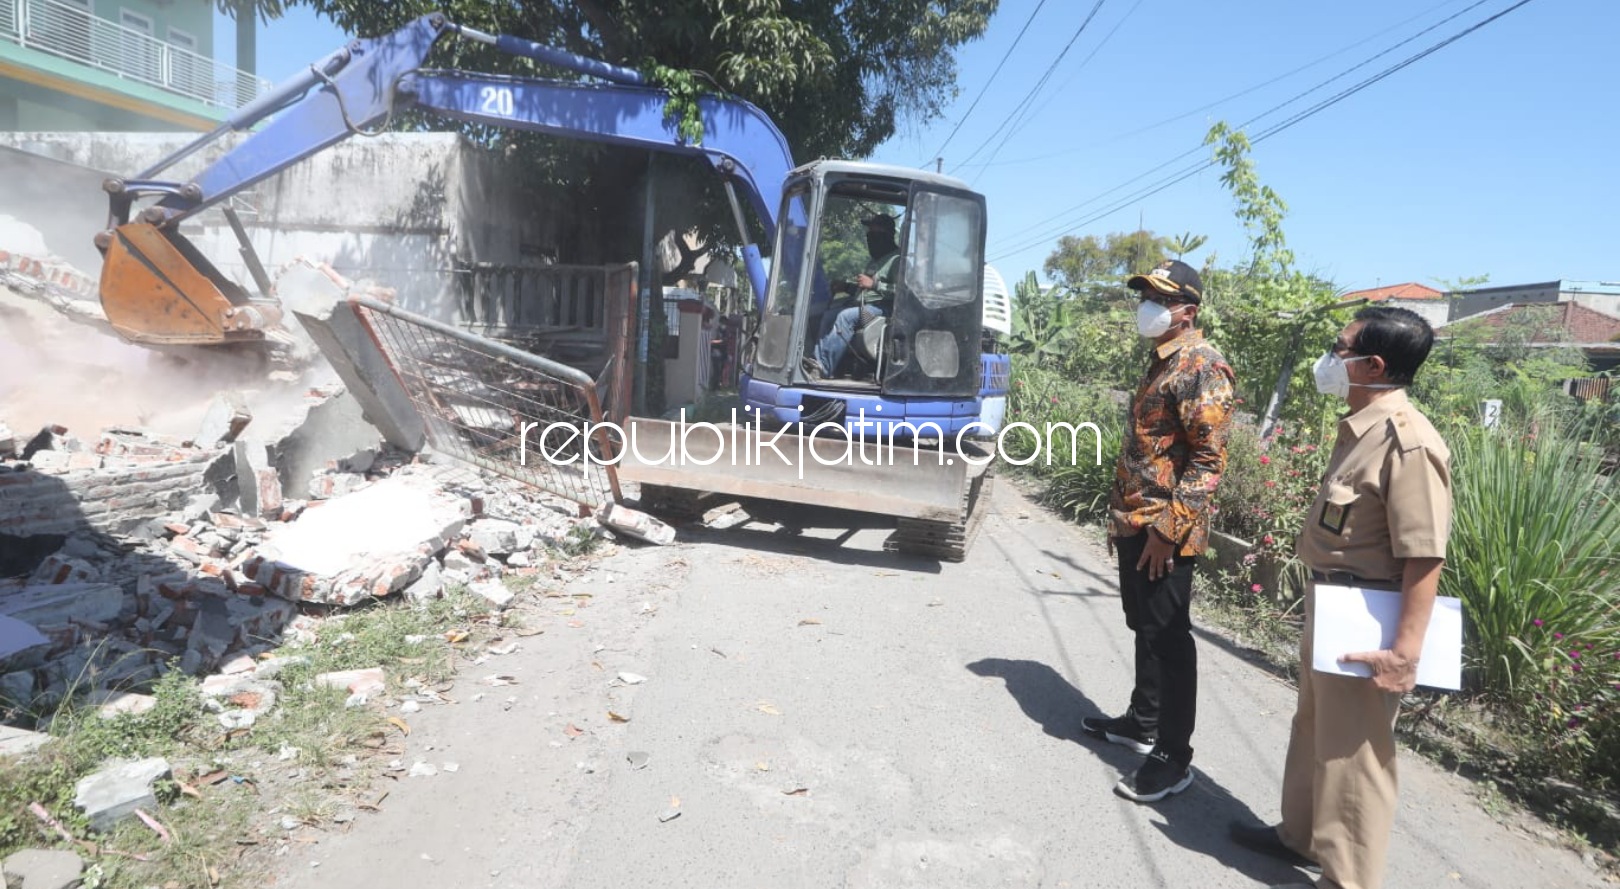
(132, 554)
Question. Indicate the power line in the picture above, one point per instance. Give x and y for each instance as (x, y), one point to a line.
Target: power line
(982, 90)
(1031, 112)
(1221, 101)
(1276, 128)
(1255, 119)
(1362, 64)
(1029, 96)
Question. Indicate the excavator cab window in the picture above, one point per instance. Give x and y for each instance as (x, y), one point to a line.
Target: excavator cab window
(931, 339)
(782, 303)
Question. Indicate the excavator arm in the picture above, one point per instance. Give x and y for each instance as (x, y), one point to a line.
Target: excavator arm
(157, 288)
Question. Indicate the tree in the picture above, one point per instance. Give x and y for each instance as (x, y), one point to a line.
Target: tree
(837, 78)
(1264, 310)
(1186, 243)
(1097, 269)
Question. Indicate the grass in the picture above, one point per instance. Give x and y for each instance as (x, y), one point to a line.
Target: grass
(307, 759)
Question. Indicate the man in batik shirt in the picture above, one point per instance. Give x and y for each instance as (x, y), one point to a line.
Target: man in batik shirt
(1171, 458)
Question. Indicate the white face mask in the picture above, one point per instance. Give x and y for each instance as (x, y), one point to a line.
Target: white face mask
(1333, 376)
(1152, 319)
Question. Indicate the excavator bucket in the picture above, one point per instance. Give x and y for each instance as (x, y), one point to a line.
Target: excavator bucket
(156, 288)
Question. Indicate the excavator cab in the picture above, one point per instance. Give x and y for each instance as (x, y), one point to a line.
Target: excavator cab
(852, 321)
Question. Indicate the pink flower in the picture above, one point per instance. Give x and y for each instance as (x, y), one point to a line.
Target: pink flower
(1558, 635)
(1264, 460)
(1575, 653)
(1268, 540)
(1054, 399)
(1537, 621)
(1256, 588)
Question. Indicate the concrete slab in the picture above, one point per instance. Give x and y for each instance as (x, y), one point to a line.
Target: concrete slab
(51, 604)
(115, 792)
(18, 636)
(315, 295)
(43, 869)
(372, 543)
(16, 742)
(225, 419)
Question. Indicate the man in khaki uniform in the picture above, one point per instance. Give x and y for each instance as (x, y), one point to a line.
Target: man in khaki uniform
(1380, 520)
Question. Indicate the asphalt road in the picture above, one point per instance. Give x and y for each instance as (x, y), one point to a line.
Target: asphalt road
(822, 714)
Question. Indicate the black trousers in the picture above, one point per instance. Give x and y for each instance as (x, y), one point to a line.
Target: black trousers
(1165, 699)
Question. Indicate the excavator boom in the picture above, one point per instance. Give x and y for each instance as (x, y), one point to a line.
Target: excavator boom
(157, 288)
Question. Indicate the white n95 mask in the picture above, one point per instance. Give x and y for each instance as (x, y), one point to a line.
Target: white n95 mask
(1333, 376)
(1152, 319)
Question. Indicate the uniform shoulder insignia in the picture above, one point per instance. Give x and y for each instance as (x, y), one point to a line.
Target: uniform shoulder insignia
(1410, 431)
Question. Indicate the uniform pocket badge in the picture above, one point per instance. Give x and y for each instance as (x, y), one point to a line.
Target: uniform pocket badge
(1334, 515)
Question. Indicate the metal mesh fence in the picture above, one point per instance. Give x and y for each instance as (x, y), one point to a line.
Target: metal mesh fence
(498, 408)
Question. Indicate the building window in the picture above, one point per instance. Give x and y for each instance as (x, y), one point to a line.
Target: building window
(186, 72)
(137, 51)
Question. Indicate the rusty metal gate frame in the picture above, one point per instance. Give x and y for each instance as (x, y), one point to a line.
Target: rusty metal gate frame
(495, 407)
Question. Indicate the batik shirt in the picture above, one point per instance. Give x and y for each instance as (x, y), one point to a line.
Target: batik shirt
(1174, 447)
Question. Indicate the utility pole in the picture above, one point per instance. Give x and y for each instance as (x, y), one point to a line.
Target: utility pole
(939, 165)
(1290, 359)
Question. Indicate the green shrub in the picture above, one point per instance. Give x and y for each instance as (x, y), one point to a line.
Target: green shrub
(1079, 475)
(1532, 556)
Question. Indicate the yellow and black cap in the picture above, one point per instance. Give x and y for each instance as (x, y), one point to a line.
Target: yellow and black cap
(1174, 278)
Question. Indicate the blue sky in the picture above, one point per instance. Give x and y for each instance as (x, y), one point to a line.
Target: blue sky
(1490, 156)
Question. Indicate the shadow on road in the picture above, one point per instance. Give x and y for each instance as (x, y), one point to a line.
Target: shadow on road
(817, 532)
(1195, 820)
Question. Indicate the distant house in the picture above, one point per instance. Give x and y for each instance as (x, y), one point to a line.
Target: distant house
(120, 66)
(1564, 324)
(1426, 301)
(1603, 296)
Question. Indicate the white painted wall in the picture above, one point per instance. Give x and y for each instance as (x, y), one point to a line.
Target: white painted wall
(398, 209)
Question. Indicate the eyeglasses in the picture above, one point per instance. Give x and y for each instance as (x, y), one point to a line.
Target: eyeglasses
(1164, 299)
(1340, 347)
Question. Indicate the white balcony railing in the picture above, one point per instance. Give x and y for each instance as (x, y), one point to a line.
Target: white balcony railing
(72, 32)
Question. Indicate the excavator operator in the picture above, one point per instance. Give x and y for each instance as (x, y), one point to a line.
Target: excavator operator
(873, 297)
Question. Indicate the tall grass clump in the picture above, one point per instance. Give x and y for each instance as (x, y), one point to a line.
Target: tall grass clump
(1532, 556)
(1074, 443)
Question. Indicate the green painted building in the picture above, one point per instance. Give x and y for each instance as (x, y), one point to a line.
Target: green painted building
(119, 65)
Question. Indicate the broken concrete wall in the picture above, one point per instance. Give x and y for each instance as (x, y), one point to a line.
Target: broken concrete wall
(316, 300)
(115, 494)
(72, 195)
(403, 209)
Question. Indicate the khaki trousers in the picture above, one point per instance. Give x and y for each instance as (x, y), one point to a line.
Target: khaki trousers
(1339, 785)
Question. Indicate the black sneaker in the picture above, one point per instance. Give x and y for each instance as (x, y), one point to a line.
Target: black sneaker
(1263, 838)
(1158, 777)
(1120, 730)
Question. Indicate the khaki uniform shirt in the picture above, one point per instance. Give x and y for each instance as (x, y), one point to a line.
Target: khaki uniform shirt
(1386, 495)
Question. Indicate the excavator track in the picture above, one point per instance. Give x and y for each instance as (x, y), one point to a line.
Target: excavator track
(946, 541)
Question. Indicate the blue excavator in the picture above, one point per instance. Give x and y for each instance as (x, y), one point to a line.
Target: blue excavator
(918, 362)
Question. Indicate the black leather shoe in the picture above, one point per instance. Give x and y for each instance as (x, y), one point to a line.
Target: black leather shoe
(1263, 838)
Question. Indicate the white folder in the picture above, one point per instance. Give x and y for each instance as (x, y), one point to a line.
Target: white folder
(1352, 619)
